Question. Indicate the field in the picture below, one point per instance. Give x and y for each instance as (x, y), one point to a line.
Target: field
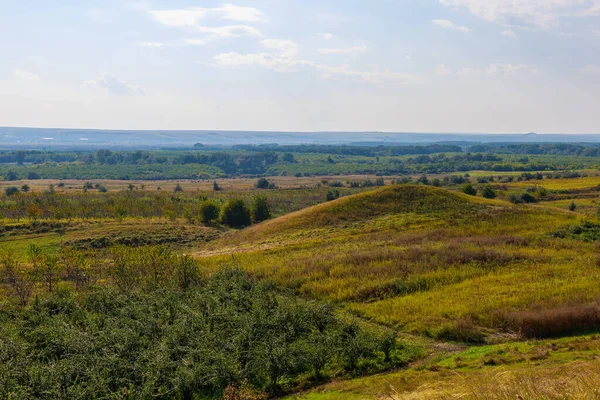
(486, 297)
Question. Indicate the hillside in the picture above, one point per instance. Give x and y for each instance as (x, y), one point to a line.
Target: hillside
(421, 259)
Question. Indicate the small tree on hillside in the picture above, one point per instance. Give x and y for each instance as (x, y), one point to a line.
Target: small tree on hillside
(178, 188)
(11, 190)
(469, 189)
(572, 206)
(216, 186)
(261, 211)
(209, 212)
(235, 214)
(488, 192)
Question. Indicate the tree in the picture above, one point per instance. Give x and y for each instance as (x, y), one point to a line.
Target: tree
(379, 182)
(488, 192)
(216, 186)
(11, 190)
(25, 188)
(288, 158)
(33, 175)
(469, 189)
(263, 183)
(572, 206)
(261, 211)
(236, 214)
(332, 194)
(11, 176)
(20, 157)
(178, 188)
(209, 212)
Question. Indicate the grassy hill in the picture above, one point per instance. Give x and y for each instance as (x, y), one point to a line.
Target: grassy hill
(424, 260)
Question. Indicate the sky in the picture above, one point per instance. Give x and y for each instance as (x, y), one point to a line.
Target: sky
(302, 65)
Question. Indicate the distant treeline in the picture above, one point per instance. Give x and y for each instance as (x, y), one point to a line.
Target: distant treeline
(367, 151)
(559, 149)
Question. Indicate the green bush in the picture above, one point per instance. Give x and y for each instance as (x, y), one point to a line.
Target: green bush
(11, 190)
(469, 189)
(209, 212)
(488, 192)
(261, 211)
(236, 214)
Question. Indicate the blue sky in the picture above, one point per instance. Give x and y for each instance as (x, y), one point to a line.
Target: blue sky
(387, 65)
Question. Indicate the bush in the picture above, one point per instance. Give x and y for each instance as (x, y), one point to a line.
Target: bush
(25, 188)
(236, 214)
(572, 206)
(209, 212)
(469, 189)
(264, 183)
(178, 188)
(261, 211)
(332, 194)
(11, 190)
(488, 192)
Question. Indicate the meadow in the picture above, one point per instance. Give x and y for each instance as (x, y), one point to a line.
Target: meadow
(430, 290)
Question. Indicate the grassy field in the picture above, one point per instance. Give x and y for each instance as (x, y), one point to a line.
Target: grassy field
(495, 293)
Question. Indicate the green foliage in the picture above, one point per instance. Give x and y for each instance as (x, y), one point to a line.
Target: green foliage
(209, 212)
(25, 188)
(469, 189)
(264, 183)
(488, 192)
(11, 190)
(332, 194)
(236, 214)
(229, 336)
(261, 210)
(572, 206)
(588, 232)
(178, 188)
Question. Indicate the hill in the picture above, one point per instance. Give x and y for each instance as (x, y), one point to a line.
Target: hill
(423, 260)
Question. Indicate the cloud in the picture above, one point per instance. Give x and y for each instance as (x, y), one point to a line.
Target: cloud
(114, 85)
(345, 50)
(500, 69)
(229, 31)
(26, 76)
(538, 14)
(327, 36)
(509, 33)
(284, 56)
(442, 70)
(444, 23)
(196, 42)
(373, 76)
(191, 16)
(590, 69)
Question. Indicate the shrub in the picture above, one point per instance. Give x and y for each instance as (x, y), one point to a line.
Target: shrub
(263, 183)
(572, 206)
(11, 190)
(25, 188)
(469, 189)
(488, 192)
(216, 186)
(11, 176)
(209, 212)
(178, 188)
(236, 214)
(332, 194)
(261, 211)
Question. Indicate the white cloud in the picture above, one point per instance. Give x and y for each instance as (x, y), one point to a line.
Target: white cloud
(229, 31)
(444, 23)
(284, 56)
(442, 70)
(590, 69)
(26, 75)
(539, 14)
(114, 85)
(327, 36)
(595, 31)
(345, 50)
(374, 76)
(500, 69)
(509, 33)
(191, 16)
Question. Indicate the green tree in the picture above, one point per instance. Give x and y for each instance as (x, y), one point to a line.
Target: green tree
(25, 188)
(261, 211)
(209, 211)
(178, 188)
(469, 189)
(572, 206)
(11, 176)
(236, 214)
(216, 186)
(332, 194)
(263, 183)
(11, 190)
(488, 192)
